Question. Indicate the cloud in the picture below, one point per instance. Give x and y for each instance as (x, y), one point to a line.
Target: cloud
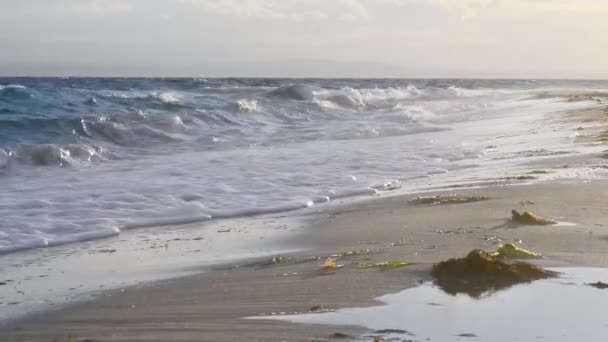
(101, 6)
(284, 9)
(63, 7)
(240, 8)
(469, 9)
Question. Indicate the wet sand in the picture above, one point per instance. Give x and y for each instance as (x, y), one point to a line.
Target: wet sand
(210, 307)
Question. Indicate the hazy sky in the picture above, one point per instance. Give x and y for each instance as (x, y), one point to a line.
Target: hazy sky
(358, 38)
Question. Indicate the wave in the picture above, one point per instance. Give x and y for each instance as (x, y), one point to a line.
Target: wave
(14, 91)
(293, 92)
(347, 97)
(49, 155)
(12, 86)
(143, 117)
(63, 240)
(167, 98)
(416, 113)
(129, 133)
(153, 99)
(66, 126)
(91, 101)
(192, 212)
(83, 140)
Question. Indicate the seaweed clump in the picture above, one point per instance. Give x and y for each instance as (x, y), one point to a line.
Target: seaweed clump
(480, 272)
(447, 199)
(529, 218)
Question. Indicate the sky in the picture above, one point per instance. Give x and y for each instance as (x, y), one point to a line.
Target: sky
(305, 38)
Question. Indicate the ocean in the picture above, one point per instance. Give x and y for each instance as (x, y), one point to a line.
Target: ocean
(87, 158)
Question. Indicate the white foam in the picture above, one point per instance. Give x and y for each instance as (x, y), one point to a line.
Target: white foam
(245, 105)
(168, 98)
(12, 86)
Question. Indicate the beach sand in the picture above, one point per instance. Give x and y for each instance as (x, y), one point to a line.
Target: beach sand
(210, 307)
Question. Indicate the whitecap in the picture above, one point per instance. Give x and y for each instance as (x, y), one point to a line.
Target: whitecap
(245, 105)
(168, 98)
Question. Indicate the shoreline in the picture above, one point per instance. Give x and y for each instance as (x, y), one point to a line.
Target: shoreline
(209, 298)
(210, 306)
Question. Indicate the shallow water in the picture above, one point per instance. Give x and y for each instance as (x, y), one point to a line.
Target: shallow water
(557, 310)
(83, 159)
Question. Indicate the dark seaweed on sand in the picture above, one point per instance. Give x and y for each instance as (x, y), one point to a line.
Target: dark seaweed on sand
(480, 273)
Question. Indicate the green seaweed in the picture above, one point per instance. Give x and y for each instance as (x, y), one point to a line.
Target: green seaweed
(529, 218)
(396, 263)
(509, 250)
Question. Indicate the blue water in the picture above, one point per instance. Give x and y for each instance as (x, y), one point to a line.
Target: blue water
(84, 158)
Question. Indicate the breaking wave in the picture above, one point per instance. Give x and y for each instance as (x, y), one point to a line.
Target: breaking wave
(84, 159)
(14, 91)
(245, 105)
(293, 92)
(49, 155)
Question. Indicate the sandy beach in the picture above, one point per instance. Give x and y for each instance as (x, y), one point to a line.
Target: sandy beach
(211, 307)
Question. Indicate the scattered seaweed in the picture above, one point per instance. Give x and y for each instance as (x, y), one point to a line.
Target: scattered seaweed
(526, 202)
(396, 263)
(529, 218)
(509, 250)
(599, 285)
(330, 264)
(279, 261)
(102, 251)
(524, 177)
(469, 335)
(448, 199)
(460, 230)
(356, 252)
(539, 172)
(480, 272)
(314, 309)
(401, 242)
